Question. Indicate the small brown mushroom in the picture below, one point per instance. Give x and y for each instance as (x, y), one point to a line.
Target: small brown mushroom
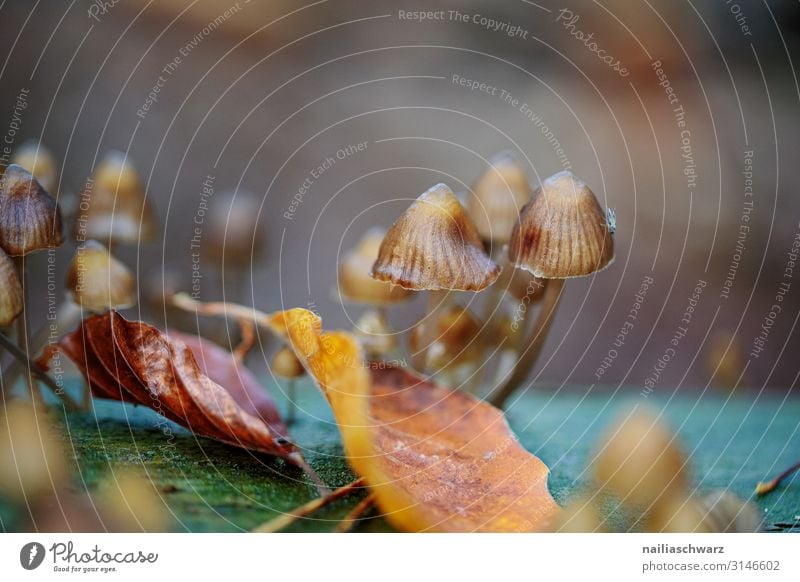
(435, 247)
(355, 283)
(30, 219)
(455, 349)
(99, 282)
(497, 197)
(562, 233)
(119, 210)
(357, 286)
(10, 291)
(233, 233)
(38, 160)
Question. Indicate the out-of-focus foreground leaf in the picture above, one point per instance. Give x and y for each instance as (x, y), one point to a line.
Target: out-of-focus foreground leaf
(436, 459)
(135, 362)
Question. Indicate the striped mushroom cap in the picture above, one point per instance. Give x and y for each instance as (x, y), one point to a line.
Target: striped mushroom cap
(562, 232)
(434, 245)
(30, 219)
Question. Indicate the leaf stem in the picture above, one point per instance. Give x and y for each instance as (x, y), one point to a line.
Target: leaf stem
(763, 488)
(355, 514)
(287, 519)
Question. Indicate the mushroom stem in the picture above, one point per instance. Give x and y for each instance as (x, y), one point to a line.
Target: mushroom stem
(536, 340)
(34, 368)
(436, 300)
(68, 314)
(22, 332)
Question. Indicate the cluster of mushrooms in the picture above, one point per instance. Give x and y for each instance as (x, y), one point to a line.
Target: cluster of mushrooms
(114, 211)
(441, 246)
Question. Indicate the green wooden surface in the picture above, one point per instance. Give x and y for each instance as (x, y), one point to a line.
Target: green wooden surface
(733, 443)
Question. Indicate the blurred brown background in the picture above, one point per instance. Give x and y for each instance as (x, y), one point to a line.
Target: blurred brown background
(264, 92)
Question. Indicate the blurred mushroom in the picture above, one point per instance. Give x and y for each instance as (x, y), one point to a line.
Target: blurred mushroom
(455, 350)
(233, 238)
(639, 461)
(357, 286)
(30, 220)
(435, 247)
(32, 460)
(580, 515)
(680, 514)
(118, 210)
(128, 502)
(375, 334)
(497, 197)
(726, 362)
(38, 160)
(98, 282)
(562, 233)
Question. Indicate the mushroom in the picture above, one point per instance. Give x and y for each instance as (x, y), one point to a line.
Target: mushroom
(233, 237)
(98, 282)
(375, 333)
(30, 220)
(38, 160)
(434, 246)
(455, 350)
(562, 233)
(497, 197)
(118, 210)
(357, 286)
(11, 291)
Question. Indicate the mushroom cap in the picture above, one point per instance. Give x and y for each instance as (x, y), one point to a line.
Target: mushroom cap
(497, 197)
(355, 283)
(232, 222)
(286, 365)
(435, 246)
(11, 302)
(30, 219)
(99, 282)
(562, 232)
(39, 161)
(118, 208)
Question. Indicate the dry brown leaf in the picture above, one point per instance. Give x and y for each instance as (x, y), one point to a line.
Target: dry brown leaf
(135, 362)
(436, 459)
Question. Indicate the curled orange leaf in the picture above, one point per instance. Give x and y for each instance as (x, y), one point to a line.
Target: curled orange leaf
(436, 459)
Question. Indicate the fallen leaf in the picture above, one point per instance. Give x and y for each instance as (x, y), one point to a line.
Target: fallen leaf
(436, 459)
(223, 368)
(135, 362)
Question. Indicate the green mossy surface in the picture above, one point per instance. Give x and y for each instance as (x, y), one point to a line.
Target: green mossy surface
(733, 442)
